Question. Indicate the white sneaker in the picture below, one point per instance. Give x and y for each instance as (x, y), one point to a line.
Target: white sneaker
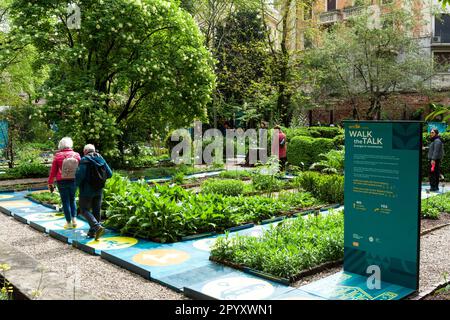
(74, 222)
(68, 225)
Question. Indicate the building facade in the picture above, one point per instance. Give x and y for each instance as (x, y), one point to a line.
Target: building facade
(431, 30)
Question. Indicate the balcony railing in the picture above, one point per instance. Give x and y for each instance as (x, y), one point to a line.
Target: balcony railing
(353, 11)
(329, 17)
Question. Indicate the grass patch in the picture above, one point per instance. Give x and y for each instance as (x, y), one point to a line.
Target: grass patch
(292, 246)
(47, 197)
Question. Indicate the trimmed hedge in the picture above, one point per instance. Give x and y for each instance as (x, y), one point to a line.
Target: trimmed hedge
(327, 188)
(315, 132)
(307, 150)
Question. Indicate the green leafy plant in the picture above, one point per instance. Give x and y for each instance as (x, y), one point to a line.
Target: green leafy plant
(6, 289)
(47, 197)
(266, 177)
(287, 249)
(227, 187)
(440, 111)
(328, 188)
(332, 162)
(446, 288)
(433, 207)
(178, 178)
(167, 213)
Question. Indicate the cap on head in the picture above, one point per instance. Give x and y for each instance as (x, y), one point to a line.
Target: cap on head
(65, 143)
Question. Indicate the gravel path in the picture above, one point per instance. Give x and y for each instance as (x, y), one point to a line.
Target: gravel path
(434, 258)
(107, 281)
(96, 276)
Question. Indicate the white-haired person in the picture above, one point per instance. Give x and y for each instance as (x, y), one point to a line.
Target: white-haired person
(64, 167)
(91, 178)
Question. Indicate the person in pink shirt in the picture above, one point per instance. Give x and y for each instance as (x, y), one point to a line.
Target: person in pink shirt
(64, 167)
(282, 146)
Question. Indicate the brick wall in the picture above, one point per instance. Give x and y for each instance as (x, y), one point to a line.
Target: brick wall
(398, 107)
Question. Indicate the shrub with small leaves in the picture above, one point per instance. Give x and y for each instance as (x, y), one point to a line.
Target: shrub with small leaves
(229, 187)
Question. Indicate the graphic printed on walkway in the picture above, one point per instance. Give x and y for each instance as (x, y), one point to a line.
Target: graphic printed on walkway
(185, 266)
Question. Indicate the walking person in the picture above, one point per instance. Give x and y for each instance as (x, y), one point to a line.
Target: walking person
(63, 170)
(282, 147)
(91, 177)
(435, 155)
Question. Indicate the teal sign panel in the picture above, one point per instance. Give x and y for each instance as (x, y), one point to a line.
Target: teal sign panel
(440, 126)
(382, 200)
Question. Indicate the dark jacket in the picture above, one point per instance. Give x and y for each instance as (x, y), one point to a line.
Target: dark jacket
(436, 151)
(95, 159)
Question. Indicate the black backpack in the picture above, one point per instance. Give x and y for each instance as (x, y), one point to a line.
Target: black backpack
(97, 176)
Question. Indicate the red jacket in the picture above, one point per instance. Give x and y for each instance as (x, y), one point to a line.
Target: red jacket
(282, 149)
(55, 171)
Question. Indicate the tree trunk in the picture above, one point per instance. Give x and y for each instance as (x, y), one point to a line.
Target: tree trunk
(9, 151)
(121, 147)
(355, 110)
(284, 99)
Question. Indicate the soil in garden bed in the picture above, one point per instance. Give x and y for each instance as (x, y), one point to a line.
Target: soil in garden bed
(439, 296)
(13, 182)
(23, 184)
(429, 224)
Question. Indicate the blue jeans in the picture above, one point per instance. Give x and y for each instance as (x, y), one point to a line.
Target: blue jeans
(67, 189)
(93, 218)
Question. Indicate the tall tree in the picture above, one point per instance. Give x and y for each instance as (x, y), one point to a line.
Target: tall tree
(293, 21)
(242, 61)
(371, 59)
(213, 17)
(128, 59)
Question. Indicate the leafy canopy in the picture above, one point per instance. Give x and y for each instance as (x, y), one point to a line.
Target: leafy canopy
(133, 65)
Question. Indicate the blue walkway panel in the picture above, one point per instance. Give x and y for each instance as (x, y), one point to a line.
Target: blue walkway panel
(236, 286)
(186, 265)
(350, 286)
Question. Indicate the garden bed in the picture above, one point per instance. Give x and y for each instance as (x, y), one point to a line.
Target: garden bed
(429, 225)
(317, 240)
(165, 172)
(228, 254)
(441, 293)
(171, 213)
(168, 213)
(22, 184)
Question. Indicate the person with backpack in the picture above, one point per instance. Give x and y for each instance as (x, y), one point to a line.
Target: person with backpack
(64, 167)
(91, 177)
